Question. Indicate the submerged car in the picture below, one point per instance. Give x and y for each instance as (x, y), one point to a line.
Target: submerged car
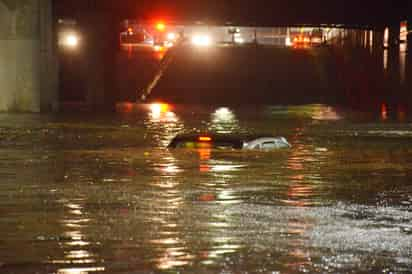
(229, 142)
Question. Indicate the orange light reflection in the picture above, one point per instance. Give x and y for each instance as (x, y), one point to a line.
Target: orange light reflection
(205, 154)
(384, 112)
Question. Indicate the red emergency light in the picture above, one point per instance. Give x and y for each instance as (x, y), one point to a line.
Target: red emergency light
(160, 26)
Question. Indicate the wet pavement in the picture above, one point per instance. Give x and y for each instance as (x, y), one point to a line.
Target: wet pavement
(102, 193)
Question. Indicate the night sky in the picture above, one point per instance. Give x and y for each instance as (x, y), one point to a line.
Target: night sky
(246, 12)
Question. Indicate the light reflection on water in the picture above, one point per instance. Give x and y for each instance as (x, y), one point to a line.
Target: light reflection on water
(224, 120)
(385, 59)
(402, 61)
(83, 270)
(162, 123)
(147, 208)
(75, 243)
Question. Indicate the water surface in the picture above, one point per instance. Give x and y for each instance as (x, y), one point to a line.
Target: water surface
(103, 194)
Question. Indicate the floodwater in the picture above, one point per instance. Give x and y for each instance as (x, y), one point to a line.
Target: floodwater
(103, 194)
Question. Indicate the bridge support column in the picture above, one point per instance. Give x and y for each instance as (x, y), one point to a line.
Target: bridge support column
(378, 39)
(394, 32)
(96, 84)
(28, 74)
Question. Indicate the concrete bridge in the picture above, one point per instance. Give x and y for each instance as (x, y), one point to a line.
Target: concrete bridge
(28, 66)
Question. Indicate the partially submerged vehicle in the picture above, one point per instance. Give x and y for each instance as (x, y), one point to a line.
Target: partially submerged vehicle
(229, 141)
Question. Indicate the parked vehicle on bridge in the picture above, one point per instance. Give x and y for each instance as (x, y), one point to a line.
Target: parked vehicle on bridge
(316, 37)
(229, 141)
(306, 37)
(135, 35)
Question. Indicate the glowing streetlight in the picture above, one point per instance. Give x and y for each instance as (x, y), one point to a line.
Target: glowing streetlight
(72, 41)
(69, 40)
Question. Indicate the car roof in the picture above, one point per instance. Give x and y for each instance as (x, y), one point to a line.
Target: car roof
(236, 140)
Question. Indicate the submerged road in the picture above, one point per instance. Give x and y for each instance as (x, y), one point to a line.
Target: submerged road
(102, 194)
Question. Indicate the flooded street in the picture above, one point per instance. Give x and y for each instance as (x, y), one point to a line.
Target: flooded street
(103, 194)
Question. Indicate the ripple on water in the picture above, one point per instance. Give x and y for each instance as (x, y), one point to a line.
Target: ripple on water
(91, 197)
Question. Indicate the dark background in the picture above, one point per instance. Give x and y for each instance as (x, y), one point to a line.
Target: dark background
(246, 12)
(90, 74)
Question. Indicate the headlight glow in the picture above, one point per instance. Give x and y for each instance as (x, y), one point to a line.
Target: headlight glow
(288, 42)
(239, 40)
(158, 108)
(171, 36)
(201, 40)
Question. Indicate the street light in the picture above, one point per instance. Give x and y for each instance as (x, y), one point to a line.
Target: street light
(68, 35)
(69, 40)
(72, 40)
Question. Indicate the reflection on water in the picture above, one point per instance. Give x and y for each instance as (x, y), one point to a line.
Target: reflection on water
(371, 37)
(130, 205)
(83, 270)
(384, 112)
(386, 38)
(163, 123)
(401, 113)
(399, 59)
(402, 61)
(304, 164)
(385, 59)
(75, 244)
(224, 120)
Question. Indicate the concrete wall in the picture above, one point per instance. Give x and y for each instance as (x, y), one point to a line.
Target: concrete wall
(27, 60)
(49, 99)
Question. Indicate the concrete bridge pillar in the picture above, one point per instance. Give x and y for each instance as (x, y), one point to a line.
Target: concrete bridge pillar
(378, 39)
(28, 66)
(394, 32)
